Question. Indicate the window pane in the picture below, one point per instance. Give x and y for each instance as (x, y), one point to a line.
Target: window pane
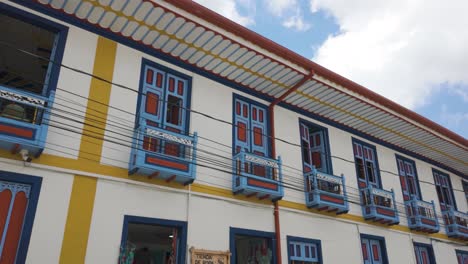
(173, 115)
(251, 249)
(17, 69)
(148, 243)
(360, 169)
(370, 171)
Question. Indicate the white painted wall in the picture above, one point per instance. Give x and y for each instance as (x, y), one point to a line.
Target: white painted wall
(209, 218)
(80, 49)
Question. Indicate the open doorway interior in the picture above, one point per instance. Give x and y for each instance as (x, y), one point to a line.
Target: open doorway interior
(151, 244)
(255, 250)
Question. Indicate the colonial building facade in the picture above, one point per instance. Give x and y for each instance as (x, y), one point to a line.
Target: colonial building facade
(134, 131)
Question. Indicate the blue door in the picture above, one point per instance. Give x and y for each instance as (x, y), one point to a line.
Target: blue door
(371, 251)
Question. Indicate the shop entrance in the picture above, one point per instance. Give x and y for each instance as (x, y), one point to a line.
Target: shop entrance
(152, 241)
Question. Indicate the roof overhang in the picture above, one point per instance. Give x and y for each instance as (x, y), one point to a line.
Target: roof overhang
(196, 36)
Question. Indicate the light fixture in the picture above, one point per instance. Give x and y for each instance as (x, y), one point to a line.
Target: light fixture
(171, 236)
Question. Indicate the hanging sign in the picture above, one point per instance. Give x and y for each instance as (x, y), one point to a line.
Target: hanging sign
(201, 256)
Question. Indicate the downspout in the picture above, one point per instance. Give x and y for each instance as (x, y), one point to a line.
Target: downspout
(273, 154)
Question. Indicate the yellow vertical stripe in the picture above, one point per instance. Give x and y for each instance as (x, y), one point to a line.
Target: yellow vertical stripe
(99, 96)
(80, 209)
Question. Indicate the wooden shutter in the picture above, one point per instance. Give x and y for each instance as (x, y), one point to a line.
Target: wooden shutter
(13, 204)
(258, 121)
(409, 184)
(242, 133)
(376, 251)
(443, 191)
(153, 96)
(175, 114)
(366, 165)
(317, 150)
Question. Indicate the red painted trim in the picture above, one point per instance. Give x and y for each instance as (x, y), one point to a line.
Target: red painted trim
(154, 175)
(5, 199)
(385, 212)
(428, 222)
(258, 136)
(241, 132)
(262, 184)
(251, 195)
(167, 163)
(267, 44)
(364, 251)
(22, 132)
(375, 252)
(171, 178)
(149, 76)
(14, 229)
(152, 102)
(331, 199)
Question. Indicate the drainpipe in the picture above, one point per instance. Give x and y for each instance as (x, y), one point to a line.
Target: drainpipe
(273, 153)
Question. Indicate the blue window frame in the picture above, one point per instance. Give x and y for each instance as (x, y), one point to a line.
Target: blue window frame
(424, 253)
(250, 130)
(251, 246)
(373, 249)
(48, 40)
(444, 190)
(315, 147)
(462, 256)
(146, 238)
(408, 178)
(304, 251)
(367, 165)
(165, 98)
(28, 77)
(19, 195)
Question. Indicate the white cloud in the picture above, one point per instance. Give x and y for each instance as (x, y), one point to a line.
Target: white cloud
(230, 9)
(453, 119)
(296, 22)
(289, 11)
(279, 7)
(401, 49)
(462, 92)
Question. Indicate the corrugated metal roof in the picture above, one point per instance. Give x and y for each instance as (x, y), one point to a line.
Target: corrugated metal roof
(239, 59)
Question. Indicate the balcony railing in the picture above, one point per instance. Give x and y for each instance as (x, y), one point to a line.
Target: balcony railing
(258, 176)
(23, 120)
(422, 216)
(159, 153)
(456, 224)
(379, 205)
(326, 192)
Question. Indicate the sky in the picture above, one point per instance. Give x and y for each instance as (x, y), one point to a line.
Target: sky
(412, 52)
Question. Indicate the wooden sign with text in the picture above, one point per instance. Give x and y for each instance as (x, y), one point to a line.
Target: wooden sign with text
(201, 256)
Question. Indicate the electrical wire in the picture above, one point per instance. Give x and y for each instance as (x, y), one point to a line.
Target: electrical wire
(229, 172)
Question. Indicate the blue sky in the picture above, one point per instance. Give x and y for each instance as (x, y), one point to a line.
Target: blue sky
(408, 51)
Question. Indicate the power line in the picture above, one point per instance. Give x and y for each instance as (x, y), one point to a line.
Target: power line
(227, 122)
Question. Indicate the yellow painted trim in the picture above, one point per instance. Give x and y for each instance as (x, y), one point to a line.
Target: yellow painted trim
(100, 91)
(80, 210)
(93, 167)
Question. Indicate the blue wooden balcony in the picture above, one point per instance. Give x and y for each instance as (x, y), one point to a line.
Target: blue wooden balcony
(422, 216)
(23, 120)
(456, 224)
(258, 176)
(378, 205)
(326, 192)
(158, 153)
